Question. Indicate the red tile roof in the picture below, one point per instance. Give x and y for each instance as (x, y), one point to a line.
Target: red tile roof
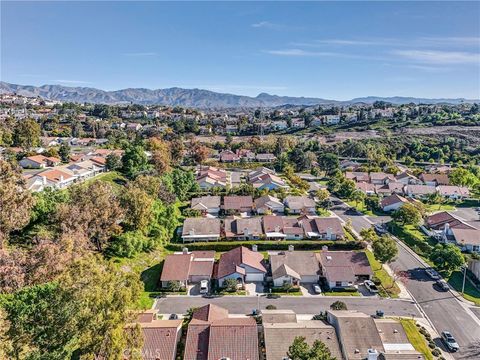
(231, 261)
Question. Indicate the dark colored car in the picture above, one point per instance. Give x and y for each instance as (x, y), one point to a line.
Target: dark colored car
(173, 317)
(442, 285)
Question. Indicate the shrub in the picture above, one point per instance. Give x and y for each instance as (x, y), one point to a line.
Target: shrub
(230, 285)
(264, 245)
(436, 352)
(129, 244)
(432, 345)
(338, 305)
(271, 307)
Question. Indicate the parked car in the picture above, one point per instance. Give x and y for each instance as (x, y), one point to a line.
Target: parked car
(173, 317)
(203, 286)
(450, 341)
(379, 314)
(370, 285)
(317, 289)
(434, 275)
(379, 229)
(442, 284)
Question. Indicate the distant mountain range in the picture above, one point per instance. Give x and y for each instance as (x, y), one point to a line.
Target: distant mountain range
(196, 98)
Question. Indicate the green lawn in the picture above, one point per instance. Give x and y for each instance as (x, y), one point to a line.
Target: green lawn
(416, 338)
(436, 207)
(360, 207)
(471, 293)
(391, 288)
(148, 267)
(341, 293)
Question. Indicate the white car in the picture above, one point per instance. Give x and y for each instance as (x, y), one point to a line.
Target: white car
(370, 285)
(204, 287)
(317, 289)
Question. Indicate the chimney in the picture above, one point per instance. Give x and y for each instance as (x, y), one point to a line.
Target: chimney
(372, 354)
(324, 248)
(185, 250)
(329, 233)
(446, 228)
(290, 248)
(61, 178)
(254, 248)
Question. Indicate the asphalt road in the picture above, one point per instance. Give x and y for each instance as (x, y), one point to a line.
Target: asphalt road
(442, 308)
(301, 305)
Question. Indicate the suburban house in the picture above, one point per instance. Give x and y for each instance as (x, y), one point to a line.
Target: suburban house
(208, 205)
(435, 179)
(363, 337)
(300, 205)
(264, 178)
(265, 157)
(160, 337)
(210, 177)
(295, 267)
(39, 162)
(358, 176)
(228, 156)
(268, 204)
(392, 202)
(237, 204)
(366, 188)
(246, 154)
(243, 228)
(380, 178)
(467, 239)
(282, 227)
(407, 179)
(444, 219)
(241, 264)
(281, 327)
(201, 229)
(390, 188)
(419, 191)
(342, 269)
(453, 192)
(55, 178)
(212, 335)
(323, 228)
(187, 267)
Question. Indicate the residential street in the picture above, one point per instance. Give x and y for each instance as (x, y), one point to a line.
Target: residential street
(442, 308)
(301, 305)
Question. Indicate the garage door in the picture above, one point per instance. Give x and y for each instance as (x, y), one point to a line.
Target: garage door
(309, 279)
(254, 277)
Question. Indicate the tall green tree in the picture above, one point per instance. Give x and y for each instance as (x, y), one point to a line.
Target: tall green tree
(81, 315)
(26, 134)
(408, 214)
(300, 350)
(64, 152)
(447, 257)
(16, 201)
(134, 161)
(385, 249)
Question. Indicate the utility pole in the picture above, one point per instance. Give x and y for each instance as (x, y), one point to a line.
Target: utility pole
(464, 276)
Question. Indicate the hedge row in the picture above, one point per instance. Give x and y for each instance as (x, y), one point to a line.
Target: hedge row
(266, 245)
(420, 246)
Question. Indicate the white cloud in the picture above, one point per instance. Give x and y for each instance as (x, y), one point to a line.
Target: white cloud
(439, 57)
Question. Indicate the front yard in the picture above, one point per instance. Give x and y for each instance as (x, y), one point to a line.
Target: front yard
(416, 338)
(471, 293)
(388, 286)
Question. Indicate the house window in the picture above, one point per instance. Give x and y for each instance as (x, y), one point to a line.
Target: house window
(338, 283)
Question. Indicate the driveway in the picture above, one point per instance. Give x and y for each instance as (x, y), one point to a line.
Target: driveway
(193, 290)
(365, 292)
(254, 288)
(307, 290)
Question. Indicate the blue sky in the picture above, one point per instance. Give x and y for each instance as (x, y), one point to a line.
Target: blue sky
(333, 50)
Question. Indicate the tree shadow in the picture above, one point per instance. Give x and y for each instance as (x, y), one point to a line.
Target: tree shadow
(151, 277)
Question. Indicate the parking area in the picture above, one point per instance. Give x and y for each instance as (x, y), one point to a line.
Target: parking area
(362, 289)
